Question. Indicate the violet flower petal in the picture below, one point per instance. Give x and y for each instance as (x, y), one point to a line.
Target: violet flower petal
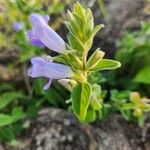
(46, 35)
(46, 18)
(33, 40)
(50, 70)
(48, 84)
(49, 38)
(36, 18)
(17, 26)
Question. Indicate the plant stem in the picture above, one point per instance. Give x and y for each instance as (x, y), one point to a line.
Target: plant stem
(102, 7)
(85, 64)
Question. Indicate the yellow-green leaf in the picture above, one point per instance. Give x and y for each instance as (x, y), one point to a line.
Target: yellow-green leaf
(106, 64)
(81, 99)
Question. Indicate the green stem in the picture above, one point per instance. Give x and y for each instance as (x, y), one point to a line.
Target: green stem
(102, 7)
(85, 64)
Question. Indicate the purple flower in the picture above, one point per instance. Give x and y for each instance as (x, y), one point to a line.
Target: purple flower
(33, 40)
(43, 35)
(17, 26)
(48, 69)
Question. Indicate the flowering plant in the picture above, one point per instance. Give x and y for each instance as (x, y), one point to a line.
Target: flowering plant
(71, 67)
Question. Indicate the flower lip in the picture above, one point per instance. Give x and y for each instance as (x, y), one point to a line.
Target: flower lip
(48, 84)
(32, 39)
(50, 70)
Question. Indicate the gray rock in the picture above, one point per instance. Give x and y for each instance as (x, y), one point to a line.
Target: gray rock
(1, 147)
(56, 129)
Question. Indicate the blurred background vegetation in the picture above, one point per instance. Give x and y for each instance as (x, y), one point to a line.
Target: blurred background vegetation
(126, 38)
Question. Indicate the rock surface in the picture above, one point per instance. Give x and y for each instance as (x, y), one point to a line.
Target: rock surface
(1, 147)
(56, 129)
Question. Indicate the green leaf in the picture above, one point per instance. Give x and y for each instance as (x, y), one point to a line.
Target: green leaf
(7, 98)
(119, 96)
(141, 120)
(78, 77)
(81, 12)
(95, 58)
(75, 42)
(38, 86)
(96, 99)
(18, 113)
(53, 97)
(81, 99)
(93, 33)
(90, 24)
(106, 64)
(90, 115)
(15, 143)
(7, 133)
(60, 59)
(143, 76)
(5, 120)
(73, 25)
(74, 61)
(95, 104)
(128, 106)
(126, 114)
(105, 111)
(6, 87)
